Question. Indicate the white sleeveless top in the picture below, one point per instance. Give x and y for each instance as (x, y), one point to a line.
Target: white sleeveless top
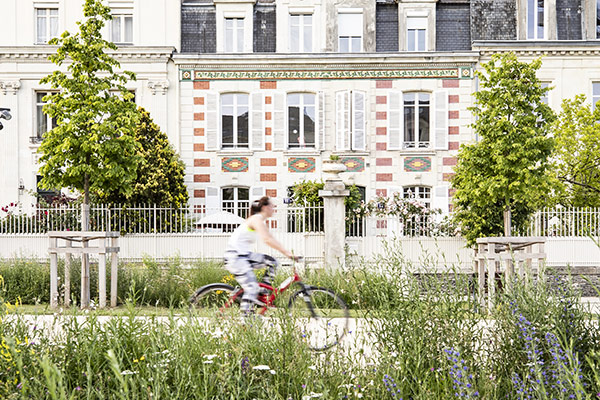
(242, 239)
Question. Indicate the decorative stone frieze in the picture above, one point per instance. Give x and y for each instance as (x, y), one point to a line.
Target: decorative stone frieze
(10, 87)
(158, 87)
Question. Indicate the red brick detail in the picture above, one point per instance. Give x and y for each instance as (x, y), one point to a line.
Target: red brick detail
(200, 194)
(202, 162)
(450, 160)
(268, 162)
(452, 114)
(447, 176)
(203, 85)
(198, 146)
(268, 115)
(202, 178)
(450, 83)
(198, 116)
(268, 84)
(451, 192)
(198, 131)
(268, 177)
(453, 145)
(381, 223)
(273, 222)
(198, 100)
(381, 146)
(381, 100)
(453, 98)
(268, 146)
(453, 130)
(383, 177)
(383, 162)
(383, 84)
(268, 99)
(268, 131)
(271, 192)
(381, 192)
(381, 115)
(381, 130)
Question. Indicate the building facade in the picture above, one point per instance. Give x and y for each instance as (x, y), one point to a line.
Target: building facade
(147, 33)
(254, 94)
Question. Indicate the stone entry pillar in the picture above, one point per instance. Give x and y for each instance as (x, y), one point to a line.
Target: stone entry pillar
(334, 211)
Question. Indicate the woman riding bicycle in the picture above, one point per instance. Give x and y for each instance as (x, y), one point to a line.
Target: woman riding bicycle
(241, 261)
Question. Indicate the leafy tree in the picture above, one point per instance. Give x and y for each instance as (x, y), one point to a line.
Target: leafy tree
(577, 154)
(307, 192)
(507, 169)
(160, 175)
(92, 148)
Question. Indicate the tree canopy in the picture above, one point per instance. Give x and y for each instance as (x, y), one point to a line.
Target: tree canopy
(507, 168)
(577, 154)
(160, 174)
(92, 148)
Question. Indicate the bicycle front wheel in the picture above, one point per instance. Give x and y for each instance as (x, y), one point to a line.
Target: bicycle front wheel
(214, 297)
(321, 315)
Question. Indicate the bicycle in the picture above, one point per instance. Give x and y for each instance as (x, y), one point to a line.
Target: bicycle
(321, 315)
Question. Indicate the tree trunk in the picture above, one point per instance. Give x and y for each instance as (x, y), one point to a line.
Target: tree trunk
(507, 222)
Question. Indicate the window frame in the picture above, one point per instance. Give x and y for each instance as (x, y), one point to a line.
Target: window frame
(302, 105)
(597, 24)
(121, 15)
(350, 11)
(421, 25)
(237, 32)
(237, 206)
(417, 142)
(235, 145)
(47, 23)
(37, 136)
(422, 194)
(301, 32)
(595, 94)
(536, 14)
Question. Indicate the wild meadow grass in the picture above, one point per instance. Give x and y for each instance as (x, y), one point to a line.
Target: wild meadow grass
(419, 337)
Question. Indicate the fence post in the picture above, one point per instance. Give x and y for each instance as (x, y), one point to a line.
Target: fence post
(333, 195)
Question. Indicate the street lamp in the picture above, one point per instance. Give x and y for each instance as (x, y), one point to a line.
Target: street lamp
(4, 114)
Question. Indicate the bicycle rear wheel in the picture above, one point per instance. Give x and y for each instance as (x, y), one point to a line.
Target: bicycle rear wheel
(322, 317)
(215, 297)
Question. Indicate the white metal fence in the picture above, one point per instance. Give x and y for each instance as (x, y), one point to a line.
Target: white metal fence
(563, 221)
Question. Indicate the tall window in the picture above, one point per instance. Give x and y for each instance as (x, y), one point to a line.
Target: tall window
(301, 33)
(350, 31)
(419, 193)
(46, 24)
(595, 95)
(545, 98)
(416, 34)
(535, 19)
(301, 120)
(43, 122)
(416, 120)
(234, 35)
(234, 120)
(597, 19)
(236, 200)
(121, 28)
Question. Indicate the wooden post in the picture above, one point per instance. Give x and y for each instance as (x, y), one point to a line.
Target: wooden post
(85, 258)
(491, 274)
(102, 274)
(114, 243)
(507, 222)
(53, 272)
(481, 274)
(68, 275)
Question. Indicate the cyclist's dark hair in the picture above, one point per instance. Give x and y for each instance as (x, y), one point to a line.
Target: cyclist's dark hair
(257, 205)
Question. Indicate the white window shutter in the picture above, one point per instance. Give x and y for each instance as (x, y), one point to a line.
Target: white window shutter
(279, 122)
(343, 117)
(395, 117)
(212, 121)
(358, 120)
(257, 121)
(440, 199)
(440, 136)
(212, 200)
(321, 121)
(256, 192)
